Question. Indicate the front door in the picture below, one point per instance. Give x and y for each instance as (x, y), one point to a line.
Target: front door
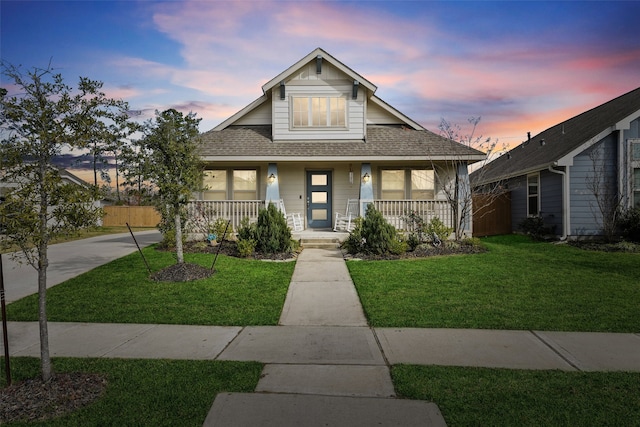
(319, 199)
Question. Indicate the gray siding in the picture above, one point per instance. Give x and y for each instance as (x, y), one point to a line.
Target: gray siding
(586, 219)
(518, 188)
(551, 200)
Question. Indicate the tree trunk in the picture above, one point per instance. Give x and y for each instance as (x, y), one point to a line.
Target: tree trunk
(178, 224)
(43, 263)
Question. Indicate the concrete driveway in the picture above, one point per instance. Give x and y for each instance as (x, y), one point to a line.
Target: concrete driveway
(67, 260)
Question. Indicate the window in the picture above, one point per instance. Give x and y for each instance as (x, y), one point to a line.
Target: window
(636, 187)
(319, 112)
(533, 192)
(422, 184)
(416, 184)
(392, 185)
(244, 185)
(215, 185)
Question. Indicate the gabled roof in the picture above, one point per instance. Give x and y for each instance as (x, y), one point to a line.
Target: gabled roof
(363, 82)
(384, 142)
(563, 141)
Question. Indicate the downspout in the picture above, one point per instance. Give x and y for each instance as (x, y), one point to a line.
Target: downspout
(565, 201)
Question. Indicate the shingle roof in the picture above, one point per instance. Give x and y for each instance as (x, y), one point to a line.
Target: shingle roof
(382, 143)
(559, 140)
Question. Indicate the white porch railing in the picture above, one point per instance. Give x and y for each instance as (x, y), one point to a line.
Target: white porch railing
(396, 211)
(201, 213)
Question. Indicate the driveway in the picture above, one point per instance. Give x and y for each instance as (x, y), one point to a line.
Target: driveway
(67, 260)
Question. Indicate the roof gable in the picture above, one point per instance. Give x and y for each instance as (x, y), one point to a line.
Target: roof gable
(560, 143)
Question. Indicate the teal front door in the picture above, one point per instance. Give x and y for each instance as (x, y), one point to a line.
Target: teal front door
(319, 199)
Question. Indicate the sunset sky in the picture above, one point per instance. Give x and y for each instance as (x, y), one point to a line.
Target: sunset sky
(521, 66)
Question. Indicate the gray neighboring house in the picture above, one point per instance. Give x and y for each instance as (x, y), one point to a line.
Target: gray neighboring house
(552, 174)
(320, 140)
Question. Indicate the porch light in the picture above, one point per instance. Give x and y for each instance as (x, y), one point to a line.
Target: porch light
(366, 177)
(271, 179)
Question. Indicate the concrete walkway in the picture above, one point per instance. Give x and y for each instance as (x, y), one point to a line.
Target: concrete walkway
(324, 365)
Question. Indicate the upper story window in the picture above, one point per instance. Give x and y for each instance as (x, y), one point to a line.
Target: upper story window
(322, 111)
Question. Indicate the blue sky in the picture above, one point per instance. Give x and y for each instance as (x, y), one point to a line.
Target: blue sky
(522, 66)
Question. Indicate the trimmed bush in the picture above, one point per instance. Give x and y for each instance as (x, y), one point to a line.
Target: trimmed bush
(630, 225)
(374, 235)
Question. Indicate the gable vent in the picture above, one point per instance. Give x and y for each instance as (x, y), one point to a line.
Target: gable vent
(354, 92)
(319, 64)
(282, 88)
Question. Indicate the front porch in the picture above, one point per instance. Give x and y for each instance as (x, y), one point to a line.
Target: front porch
(201, 213)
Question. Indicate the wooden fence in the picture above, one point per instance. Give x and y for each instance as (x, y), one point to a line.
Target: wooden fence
(491, 214)
(135, 216)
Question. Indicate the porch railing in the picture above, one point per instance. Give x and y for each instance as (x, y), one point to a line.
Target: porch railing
(201, 213)
(396, 211)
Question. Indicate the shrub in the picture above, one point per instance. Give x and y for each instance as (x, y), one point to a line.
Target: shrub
(534, 226)
(246, 231)
(272, 234)
(218, 228)
(630, 224)
(437, 227)
(246, 247)
(374, 235)
(416, 229)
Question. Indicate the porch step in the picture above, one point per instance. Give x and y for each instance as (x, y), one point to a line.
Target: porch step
(320, 243)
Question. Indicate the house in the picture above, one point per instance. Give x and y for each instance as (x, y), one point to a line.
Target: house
(575, 174)
(319, 138)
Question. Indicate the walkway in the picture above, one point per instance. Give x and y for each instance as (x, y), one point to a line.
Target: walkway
(324, 365)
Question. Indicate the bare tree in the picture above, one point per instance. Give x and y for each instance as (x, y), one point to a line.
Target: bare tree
(453, 176)
(603, 187)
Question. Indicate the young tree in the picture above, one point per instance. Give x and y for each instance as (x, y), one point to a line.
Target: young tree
(44, 117)
(171, 164)
(454, 176)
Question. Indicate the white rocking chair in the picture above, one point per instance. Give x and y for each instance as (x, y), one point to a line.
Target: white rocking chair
(294, 220)
(345, 222)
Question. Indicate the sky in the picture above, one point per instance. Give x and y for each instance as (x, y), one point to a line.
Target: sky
(522, 66)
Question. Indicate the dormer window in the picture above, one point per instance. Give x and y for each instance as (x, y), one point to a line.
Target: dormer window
(324, 111)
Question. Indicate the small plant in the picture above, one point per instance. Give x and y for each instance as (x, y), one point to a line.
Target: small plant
(533, 226)
(437, 228)
(417, 230)
(246, 247)
(218, 228)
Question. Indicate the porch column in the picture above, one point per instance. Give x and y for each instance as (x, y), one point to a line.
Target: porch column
(366, 187)
(273, 188)
(464, 199)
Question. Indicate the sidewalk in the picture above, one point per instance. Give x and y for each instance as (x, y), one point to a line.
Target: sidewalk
(324, 365)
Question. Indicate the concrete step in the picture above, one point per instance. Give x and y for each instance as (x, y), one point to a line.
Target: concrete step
(320, 243)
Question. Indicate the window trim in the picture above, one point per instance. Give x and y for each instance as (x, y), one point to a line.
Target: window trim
(329, 115)
(536, 195)
(408, 184)
(230, 191)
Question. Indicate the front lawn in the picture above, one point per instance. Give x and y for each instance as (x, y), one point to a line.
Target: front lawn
(503, 397)
(241, 292)
(147, 392)
(518, 284)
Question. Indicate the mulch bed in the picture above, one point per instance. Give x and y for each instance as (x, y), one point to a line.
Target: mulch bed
(425, 251)
(36, 400)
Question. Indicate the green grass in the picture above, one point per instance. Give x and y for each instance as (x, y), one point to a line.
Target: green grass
(147, 392)
(502, 397)
(518, 284)
(241, 292)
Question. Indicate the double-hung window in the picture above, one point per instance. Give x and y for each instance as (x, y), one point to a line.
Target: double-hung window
(323, 111)
(635, 169)
(399, 184)
(533, 195)
(238, 184)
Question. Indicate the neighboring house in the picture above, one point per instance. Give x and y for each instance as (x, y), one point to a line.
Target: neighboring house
(318, 138)
(557, 173)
